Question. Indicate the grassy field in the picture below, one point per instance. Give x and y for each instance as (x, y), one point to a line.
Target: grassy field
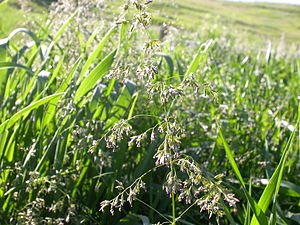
(101, 123)
(12, 16)
(252, 22)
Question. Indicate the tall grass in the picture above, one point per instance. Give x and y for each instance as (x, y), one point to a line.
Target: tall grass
(142, 132)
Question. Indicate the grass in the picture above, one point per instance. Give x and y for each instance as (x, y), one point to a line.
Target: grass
(12, 16)
(193, 129)
(252, 22)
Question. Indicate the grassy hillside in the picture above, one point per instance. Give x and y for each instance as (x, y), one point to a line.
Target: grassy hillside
(252, 22)
(259, 21)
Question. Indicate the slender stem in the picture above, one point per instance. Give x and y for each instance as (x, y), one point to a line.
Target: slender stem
(173, 174)
(173, 209)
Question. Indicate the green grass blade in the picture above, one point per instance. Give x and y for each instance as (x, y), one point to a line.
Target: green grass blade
(169, 62)
(61, 149)
(273, 186)
(95, 53)
(80, 179)
(92, 38)
(248, 209)
(179, 67)
(29, 155)
(254, 206)
(3, 73)
(5, 41)
(54, 74)
(197, 59)
(91, 80)
(122, 36)
(110, 87)
(231, 159)
(80, 40)
(3, 139)
(8, 123)
(227, 213)
(11, 65)
(45, 154)
(3, 3)
(122, 104)
(59, 33)
(51, 109)
(133, 105)
(10, 148)
(71, 74)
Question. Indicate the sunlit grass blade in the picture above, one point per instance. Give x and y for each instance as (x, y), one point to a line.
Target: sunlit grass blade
(135, 97)
(3, 3)
(95, 53)
(5, 41)
(91, 80)
(59, 33)
(4, 66)
(25, 111)
(11, 65)
(122, 37)
(197, 59)
(91, 38)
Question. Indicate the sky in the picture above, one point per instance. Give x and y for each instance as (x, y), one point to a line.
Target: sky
(293, 2)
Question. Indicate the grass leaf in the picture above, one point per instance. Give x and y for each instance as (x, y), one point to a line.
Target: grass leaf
(197, 59)
(91, 80)
(273, 186)
(10, 122)
(95, 53)
(254, 206)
